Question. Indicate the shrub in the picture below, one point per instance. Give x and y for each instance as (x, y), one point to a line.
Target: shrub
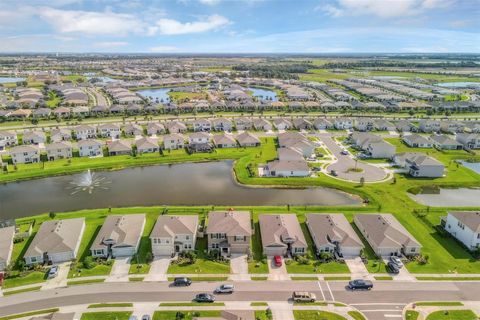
(89, 263)
(302, 260)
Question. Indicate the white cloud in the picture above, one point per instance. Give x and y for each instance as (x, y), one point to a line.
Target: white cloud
(108, 44)
(90, 22)
(174, 27)
(163, 49)
(382, 9)
(209, 2)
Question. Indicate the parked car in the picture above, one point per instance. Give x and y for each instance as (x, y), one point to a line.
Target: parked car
(146, 317)
(182, 281)
(360, 284)
(392, 268)
(133, 318)
(277, 260)
(53, 272)
(344, 152)
(333, 173)
(225, 288)
(204, 297)
(396, 260)
(302, 296)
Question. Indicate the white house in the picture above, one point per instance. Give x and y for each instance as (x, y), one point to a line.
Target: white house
(109, 130)
(417, 141)
(7, 139)
(464, 226)
(83, 132)
(6, 246)
(174, 234)
(25, 154)
(469, 140)
(90, 148)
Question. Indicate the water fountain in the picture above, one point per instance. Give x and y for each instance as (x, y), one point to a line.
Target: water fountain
(87, 182)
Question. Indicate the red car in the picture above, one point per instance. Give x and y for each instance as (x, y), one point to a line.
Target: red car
(278, 261)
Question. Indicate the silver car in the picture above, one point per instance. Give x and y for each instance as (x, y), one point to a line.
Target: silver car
(225, 288)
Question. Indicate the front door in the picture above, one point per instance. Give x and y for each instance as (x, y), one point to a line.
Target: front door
(177, 248)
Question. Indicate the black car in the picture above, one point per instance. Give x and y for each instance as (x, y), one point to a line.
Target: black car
(360, 284)
(204, 297)
(393, 268)
(182, 281)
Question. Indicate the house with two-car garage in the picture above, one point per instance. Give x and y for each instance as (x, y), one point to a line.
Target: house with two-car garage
(281, 235)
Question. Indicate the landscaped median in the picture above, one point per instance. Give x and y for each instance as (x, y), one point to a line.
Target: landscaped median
(440, 310)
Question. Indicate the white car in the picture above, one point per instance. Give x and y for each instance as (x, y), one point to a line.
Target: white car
(225, 288)
(396, 260)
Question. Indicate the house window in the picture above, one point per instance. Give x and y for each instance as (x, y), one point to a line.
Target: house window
(412, 250)
(214, 245)
(299, 250)
(187, 237)
(240, 238)
(478, 236)
(33, 259)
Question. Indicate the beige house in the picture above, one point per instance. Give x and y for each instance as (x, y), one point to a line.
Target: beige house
(6, 246)
(246, 139)
(174, 234)
(229, 231)
(176, 127)
(155, 128)
(173, 141)
(133, 129)
(119, 147)
(386, 235)
(147, 145)
(61, 134)
(59, 150)
(282, 235)
(119, 236)
(56, 241)
(25, 154)
(224, 141)
(7, 139)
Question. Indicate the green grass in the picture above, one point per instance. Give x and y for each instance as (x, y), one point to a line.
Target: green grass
(261, 315)
(188, 315)
(106, 316)
(212, 279)
(316, 315)
(426, 278)
(439, 304)
(411, 315)
(179, 96)
(356, 315)
(259, 304)
(383, 278)
(80, 282)
(262, 278)
(139, 263)
(53, 100)
(304, 278)
(452, 315)
(29, 314)
(135, 279)
(258, 264)
(320, 303)
(22, 280)
(334, 278)
(110, 305)
(9, 293)
(191, 304)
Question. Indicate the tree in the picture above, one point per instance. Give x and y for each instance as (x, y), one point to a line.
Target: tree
(52, 215)
(362, 181)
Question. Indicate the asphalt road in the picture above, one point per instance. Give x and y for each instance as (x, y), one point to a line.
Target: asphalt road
(385, 301)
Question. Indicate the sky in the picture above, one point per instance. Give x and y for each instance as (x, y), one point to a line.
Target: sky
(240, 26)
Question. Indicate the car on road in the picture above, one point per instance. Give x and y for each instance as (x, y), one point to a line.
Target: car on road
(146, 317)
(225, 288)
(204, 297)
(396, 260)
(53, 272)
(344, 152)
(393, 268)
(360, 284)
(302, 296)
(333, 173)
(182, 281)
(133, 318)
(278, 261)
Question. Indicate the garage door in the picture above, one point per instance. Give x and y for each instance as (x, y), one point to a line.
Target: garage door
(123, 252)
(274, 251)
(61, 257)
(162, 251)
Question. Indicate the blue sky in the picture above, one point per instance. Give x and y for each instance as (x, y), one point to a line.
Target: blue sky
(240, 26)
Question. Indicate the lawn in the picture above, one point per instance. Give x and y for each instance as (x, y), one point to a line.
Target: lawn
(316, 315)
(356, 315)
(106, 316)
(9, 293)
(258, 263)
(411, 315)
(179, 96)
(439, 304)
(187, 315)
(110, 305)
(30, 314)
(452, 315)
(140, 262)
(21, 280)
(262, 315)
(191, 304)
(53, 100)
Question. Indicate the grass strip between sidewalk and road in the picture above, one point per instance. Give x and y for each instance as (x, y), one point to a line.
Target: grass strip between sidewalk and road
(29, 314)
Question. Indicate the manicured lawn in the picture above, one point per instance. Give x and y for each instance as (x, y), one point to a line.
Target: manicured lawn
(261, 315)
(356, 315)
(179, 96)
(22, 280)
(304, 278)
(29, 314)
(140, 263)
(106, 316)
(136, 279)
(188, 315)
(99, 270)
(259, 304)
(110, 305)
(439, 304)
(258, 264)
(452, 315)
(335, 278)
(9, 293)
(81, 282)
(411, 315)
(191, 304)
(259, 278)
(316, 315)
(330, 267)
(383, 278)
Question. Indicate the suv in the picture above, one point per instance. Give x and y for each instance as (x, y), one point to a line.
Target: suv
(204, 297)
(393, 268)
(225, 288)
(397, 261)
(333, 173)
(53, 272)
(302, 296)
(360, 284)
(182, 281)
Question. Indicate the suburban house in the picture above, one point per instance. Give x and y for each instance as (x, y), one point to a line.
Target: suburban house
(147, 145)
(222, 124)
(199, 138)
(173, 141)
(262, 124)
(296, 140)
(281, 235)
(133, 129)
(384, 125)
(289, 154)
(364, 124)
(119, 236)
(247, 139)
(380, 150)
(284, 168)
(176, 127)
(7, 139)
(201, 125)
(174, 234)
(7, 235)
(224, 141)
(155, 128)
(417, 141)
(302, 124)
(322, 124)
(333, 233)
(83, 132)
(444, 142)
(452, 126)
(25, 154)
(405, 126)
(56, 241)
(90, 148)
(61, 134)
(59, 150)
(34, 137)
(343, 123)
(119, 147)
(419, 165)
(282, 124)
(429, 126)
(464, 226)
(469, 140)
(386, 235)
(109, 130)
(229, 231)
(243, 123)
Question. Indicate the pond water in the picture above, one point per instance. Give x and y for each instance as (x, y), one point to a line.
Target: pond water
(459, 84)
(264, 93)
(462, 197)
(103, 79)
(10, 79)
(156, 94)
(209, 183)
(475, 166)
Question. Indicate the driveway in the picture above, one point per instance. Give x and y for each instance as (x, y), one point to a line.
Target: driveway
(281, 310)
(239, 267)
(370, 172)
(60, 280)
(277, 273)
(403, 275)
(120, 269)
(357, 268)
(158, 269)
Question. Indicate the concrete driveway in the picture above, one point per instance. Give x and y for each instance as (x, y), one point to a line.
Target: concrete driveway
(239, 267)
(277, 273)
(120, 269)
(357, 268)
(370, 172)
(403, 275)
(158, 269)
(60, 280)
